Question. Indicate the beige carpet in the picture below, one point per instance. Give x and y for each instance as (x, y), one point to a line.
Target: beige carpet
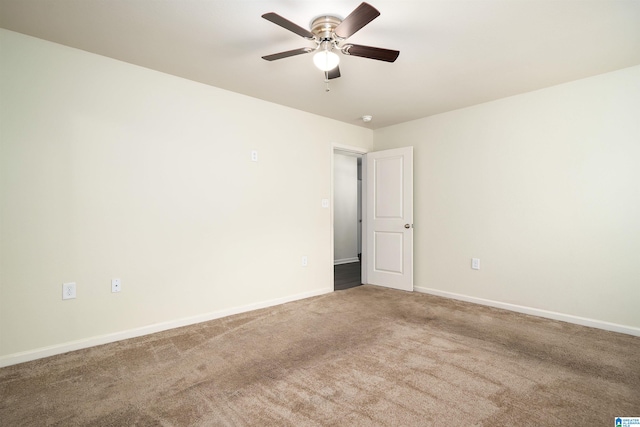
(365, 356)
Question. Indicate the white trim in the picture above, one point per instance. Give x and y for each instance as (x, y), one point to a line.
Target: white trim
(583, 321)
(345, 261)
(348, 148)
(364, 255)
(26, 356)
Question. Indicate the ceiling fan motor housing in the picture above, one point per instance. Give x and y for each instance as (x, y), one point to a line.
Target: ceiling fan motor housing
(323, 26)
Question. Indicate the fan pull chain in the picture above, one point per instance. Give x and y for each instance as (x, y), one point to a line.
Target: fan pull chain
(326, 81)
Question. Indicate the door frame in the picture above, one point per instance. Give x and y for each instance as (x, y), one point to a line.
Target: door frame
(354, 150)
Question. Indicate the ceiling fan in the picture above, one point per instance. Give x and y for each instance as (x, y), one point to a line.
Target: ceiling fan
(329, 33)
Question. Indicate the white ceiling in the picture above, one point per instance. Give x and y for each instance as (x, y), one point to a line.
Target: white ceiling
(453, 53)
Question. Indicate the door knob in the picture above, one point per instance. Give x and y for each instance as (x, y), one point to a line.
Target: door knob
(407, 226)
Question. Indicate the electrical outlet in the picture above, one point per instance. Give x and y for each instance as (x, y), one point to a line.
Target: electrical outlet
(475, 263)
(115, 285)
(254, 156)
(68, 290)
(305, 261)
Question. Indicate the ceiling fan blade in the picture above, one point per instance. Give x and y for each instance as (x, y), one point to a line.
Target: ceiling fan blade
(378, 53)
(357, 19)
(287, 54)
(288, 25)
(333, 74)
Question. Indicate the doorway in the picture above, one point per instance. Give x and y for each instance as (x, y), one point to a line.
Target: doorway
(385, 217)
(347, 219)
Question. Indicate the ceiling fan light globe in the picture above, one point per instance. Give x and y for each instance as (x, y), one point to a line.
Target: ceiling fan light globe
(326, 60)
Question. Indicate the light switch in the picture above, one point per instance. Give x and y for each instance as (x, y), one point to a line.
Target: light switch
(475, 263)
(325, 203)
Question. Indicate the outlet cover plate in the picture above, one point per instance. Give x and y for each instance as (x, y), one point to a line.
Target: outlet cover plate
(115, 285)
(68, 290)
(475, 263)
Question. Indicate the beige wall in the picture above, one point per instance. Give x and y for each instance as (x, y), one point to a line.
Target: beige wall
(544, 188)
(109, 170)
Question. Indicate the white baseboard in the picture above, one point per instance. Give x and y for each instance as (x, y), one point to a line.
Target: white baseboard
(614, 327)
(26, 356)
(345, 261)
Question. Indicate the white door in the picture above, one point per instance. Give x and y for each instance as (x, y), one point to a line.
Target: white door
(389, 218)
